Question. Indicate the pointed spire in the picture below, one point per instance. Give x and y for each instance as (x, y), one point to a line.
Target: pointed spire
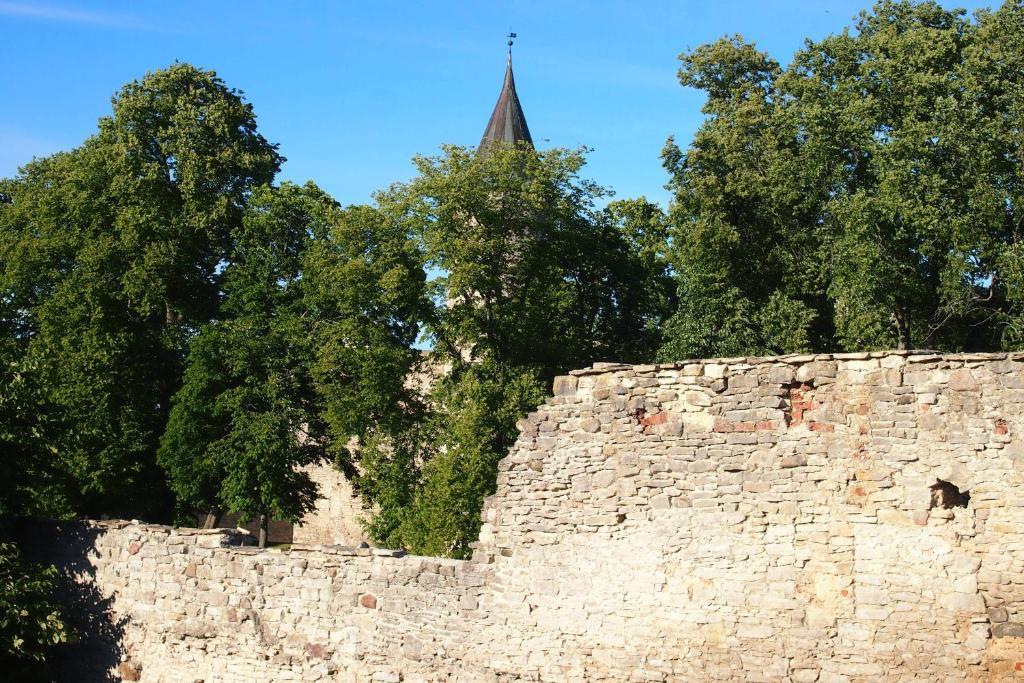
(508, 123)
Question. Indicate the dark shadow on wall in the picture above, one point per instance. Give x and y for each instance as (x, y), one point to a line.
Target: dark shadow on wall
(96, 656)
(947, 496)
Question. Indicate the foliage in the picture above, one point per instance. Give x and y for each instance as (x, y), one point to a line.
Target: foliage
(714, 319)
(865, 197)
(244, 421)
(30, 623)
(312, 351)
(365, 295)
(27, 482)
(133, 269)
(734, 200)
(109, 260)
(530, 280)
(496, 226)
(989, 128)
(475, 422)
(528, 271)
(624, 274)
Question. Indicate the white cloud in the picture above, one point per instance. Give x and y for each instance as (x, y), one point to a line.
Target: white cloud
(74, 16)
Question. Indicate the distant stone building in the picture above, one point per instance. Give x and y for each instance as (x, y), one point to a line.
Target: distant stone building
(336, 517)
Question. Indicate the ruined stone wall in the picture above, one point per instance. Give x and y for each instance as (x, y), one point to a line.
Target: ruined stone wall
(770, 519)
(804, 518)
(189, 604)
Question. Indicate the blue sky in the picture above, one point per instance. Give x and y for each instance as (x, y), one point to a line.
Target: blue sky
(352, 90)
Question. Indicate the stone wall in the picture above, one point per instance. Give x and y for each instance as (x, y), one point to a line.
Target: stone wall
(190, 605)
(336, 517)
(808, 518)
(770, 518)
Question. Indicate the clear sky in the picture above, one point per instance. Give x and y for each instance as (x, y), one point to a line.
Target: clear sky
(352, 90)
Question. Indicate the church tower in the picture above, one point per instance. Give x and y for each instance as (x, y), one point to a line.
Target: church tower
(508, 123)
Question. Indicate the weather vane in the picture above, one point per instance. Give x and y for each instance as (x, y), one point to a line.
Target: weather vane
(511, 37)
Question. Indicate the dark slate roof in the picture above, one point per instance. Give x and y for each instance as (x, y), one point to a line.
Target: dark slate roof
(508, 123)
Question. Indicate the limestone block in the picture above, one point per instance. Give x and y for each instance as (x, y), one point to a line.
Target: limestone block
(962, 380)
(998, 615)
(564, 385)
(818, 616)
(697, 422)
(1010, 629)
(714, 370)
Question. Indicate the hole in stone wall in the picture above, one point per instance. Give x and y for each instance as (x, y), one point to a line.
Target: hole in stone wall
(947, 496)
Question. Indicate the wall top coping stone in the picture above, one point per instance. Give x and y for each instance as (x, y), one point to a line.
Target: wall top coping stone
(913, 356)
(235, 540)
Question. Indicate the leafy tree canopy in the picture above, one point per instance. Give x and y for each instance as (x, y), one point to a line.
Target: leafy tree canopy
(109, 260)
(529, 279)
(865, 197)
(312, 351)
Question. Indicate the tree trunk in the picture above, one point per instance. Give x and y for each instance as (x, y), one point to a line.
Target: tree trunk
(171, 317)
(264, 527)
(901, 316)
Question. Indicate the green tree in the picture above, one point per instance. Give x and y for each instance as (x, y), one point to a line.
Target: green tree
(865, 197)
(988, 130)
(310, 356)
(873, 106)
(529, 280)
(475, 423)
(622, 279)
(497, 227)
(740, 215)
(245, 421)
(31, 624)
(364, 295)
(109, 260)
(499, 230)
